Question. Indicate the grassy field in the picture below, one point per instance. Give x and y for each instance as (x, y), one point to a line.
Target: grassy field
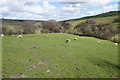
(34, 55)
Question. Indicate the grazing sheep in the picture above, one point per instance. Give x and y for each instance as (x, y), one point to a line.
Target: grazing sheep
(46, 36)
(12, 35)
(75, 38)
(115, 44)
(2, 35)
(48, 71)
(98, 41)
(19, 36)
(68, 40)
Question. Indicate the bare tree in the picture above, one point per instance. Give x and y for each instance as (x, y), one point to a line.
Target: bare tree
(28, 27)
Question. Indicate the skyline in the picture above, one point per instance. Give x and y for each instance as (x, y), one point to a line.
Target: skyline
(57, 10)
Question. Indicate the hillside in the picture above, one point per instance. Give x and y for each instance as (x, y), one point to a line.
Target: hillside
(33, 55)
(107, 14)
(104, 26)
(42, 51)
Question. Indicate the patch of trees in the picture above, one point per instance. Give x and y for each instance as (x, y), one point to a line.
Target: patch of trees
(52, 26)
(117, 20)
(31, 27)
(28, 27)
(103, 31)
(66, 25)
(10, 28)
(10, 31)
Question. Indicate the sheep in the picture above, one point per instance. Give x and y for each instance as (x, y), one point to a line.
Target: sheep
(46, 36)
(2, 35)
(48, 71)
(12, 35)
(75, 38)
(98, 41)
(19, 36)
(68, 40)
(115, 44)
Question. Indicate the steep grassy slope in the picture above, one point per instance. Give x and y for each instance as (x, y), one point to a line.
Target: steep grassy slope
(34, 54)
(107, 14)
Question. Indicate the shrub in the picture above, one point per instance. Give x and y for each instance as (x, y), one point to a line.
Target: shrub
(66, 25)
(117, 20)
(10, 32)
(107, 35)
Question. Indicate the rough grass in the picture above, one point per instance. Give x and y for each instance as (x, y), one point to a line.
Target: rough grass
(33, 55)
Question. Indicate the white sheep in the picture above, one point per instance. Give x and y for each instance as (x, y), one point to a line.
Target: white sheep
(19, 36)
(115, 44)
(68, 40)
(2, 35)
(75, 38)
(98, 41)
(46, 36)
(12, 35)
(48, 71)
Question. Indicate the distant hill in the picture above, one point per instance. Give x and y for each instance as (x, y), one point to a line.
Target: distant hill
(107, 14)
(104, 26)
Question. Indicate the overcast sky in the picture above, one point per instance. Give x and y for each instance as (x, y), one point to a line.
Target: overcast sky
(54, 9)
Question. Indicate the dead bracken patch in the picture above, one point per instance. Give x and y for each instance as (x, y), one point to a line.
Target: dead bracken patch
(62, 45)
(63, 71)
(34, 41)
(69, 59)
(34, 47)
(54, 45)
(77, 69)
(29, 48)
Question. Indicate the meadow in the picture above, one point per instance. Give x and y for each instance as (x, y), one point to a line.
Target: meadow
(37, 56)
